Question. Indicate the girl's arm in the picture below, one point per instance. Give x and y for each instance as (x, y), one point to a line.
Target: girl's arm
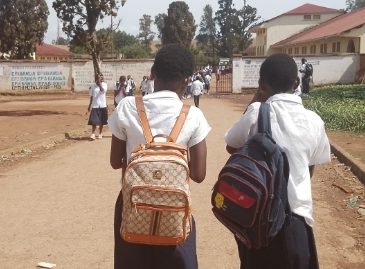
(197, 162)
(118, 153)
(91, 101)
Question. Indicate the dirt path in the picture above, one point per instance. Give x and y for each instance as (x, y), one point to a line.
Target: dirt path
(58, 207)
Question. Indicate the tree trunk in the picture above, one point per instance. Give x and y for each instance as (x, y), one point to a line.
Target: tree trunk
(95, 54)
(96, 63)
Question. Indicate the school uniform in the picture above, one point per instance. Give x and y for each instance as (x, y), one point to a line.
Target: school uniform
(99, 110)
(150, 86)
(305, 79)
(162, 110)
(197, 90)
(301, 133)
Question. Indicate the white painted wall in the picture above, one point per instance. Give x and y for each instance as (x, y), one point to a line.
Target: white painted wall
(16, 75)
(327, 70)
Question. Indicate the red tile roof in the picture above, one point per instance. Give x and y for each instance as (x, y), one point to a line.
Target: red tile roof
(51, 50)
(333, 27)
(311, 9)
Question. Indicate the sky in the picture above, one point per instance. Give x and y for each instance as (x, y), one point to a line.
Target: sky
(133, 10)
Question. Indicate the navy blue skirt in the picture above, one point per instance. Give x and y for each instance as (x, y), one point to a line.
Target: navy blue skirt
(98, 116)
(139, 256)
(293, 248)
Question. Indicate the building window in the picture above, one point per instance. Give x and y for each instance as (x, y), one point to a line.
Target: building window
(316, 17)
(296, 50)
(290, 51)
(334, 47)
(304, 50)
(351, 47)
(338, 46)
(307, 17)
(323, 48)
(313, 49)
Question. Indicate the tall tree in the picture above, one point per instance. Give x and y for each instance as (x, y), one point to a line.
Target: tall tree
(19, 30)
(80, 19)
(227, 20)
(179, 25)
(146, 35)
(122, 39)
(160, 23)
(207, 31)
(354, 4)
(247, 18)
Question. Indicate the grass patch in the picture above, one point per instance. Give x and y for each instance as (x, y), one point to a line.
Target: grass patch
(342, 107)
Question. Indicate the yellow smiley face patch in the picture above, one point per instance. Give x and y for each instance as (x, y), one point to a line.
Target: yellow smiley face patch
(219, 200)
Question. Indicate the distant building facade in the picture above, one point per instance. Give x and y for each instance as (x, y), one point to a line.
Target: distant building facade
(310, 30)
(52, 53)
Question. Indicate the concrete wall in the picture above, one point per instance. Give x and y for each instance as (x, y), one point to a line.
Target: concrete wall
(327, 70)
(28, 75)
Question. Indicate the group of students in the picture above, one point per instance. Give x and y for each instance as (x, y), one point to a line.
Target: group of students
(199, 83)
(300, 132)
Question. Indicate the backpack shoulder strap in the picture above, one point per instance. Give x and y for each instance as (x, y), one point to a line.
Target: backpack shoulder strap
(143, 119)
(179, 122)
(264, 124)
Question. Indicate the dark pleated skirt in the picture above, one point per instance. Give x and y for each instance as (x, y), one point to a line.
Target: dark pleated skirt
(293, 248)
(98, 116)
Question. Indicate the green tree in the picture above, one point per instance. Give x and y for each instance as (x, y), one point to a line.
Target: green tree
(179, 25)
(122, 39)
(354, 4)
(80, 19)
(227, 20)
(247, 18)
(19, 30)
(160, 23)
(61, 41)
(207, 32)
(136, 51)
(145, 33)
(234, 25)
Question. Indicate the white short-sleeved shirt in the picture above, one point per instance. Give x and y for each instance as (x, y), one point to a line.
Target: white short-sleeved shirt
(150, 86)
(162, 109)
(120, 94)
(197, 87)
(99, 97)
(301, 133)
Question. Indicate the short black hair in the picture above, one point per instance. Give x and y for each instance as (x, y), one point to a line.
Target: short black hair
(279, 71)
(173, 62)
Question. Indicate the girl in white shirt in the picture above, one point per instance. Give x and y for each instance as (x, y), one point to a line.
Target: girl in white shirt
(301, 134)
(97, 106)
(171, 69)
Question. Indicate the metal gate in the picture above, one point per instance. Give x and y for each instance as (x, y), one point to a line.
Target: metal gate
(224, 79)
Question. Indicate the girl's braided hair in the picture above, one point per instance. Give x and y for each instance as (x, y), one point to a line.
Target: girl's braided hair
(173, 62)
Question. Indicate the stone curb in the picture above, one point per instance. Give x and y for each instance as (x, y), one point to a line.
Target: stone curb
(356, 166)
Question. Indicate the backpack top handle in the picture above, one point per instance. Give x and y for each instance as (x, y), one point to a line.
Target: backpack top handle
(146, 127)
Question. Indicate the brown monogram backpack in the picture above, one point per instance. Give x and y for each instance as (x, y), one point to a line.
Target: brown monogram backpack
(156, 191)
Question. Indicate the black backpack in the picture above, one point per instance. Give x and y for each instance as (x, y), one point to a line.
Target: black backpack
(308, 69)
(250, 197)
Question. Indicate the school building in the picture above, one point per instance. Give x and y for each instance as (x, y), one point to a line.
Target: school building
(332, 40)
(52, 53)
